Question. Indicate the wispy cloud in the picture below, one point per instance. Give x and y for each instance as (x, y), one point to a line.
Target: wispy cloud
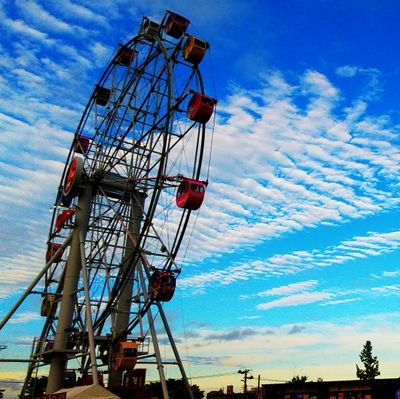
(359, 247)
(311, 159)
(288, 289)
(22, 318)
(373, 88)
(341, 301)
(39, 16)
(297, 329)
(296, 300)
(20, 27)
(233, 335)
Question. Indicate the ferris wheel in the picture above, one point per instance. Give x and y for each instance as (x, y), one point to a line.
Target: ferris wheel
(133, 177)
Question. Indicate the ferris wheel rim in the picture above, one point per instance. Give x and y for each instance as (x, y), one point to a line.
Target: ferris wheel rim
(159, 183)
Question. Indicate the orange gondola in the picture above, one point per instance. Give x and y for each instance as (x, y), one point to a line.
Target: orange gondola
(125, 355)
(194, 49)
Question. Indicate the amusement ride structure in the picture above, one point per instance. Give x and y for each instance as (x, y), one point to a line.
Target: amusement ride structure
(132, 179)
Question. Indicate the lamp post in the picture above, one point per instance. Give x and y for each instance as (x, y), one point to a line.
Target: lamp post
(246, 377)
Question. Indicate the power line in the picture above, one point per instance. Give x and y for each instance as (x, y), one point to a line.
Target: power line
(270, 379)
(212, 375)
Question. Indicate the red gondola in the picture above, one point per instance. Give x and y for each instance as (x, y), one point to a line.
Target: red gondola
(201, 107)
(190, 194)
(52, 248)
(176, 25)
(81, 144)
(125, 56)
(194, 49)
(162, 285)
(73, 177)
(102, 95)
(63, 217)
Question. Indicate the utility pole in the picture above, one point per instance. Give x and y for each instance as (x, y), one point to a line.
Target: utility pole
(2, 347)
(246, 377)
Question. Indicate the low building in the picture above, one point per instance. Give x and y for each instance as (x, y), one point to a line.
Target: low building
(388, 388)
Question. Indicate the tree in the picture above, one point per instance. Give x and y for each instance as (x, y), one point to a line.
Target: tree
(371, 364)
(36, 387)
(298, 379)
(176, 388)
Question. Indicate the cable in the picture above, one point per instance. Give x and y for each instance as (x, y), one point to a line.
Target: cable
(214, 375)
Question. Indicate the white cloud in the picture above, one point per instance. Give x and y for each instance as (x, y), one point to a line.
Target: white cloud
(36, 14)
(387, 289)
(318, 84)
(300, 167)
(296, 300)
(20, 27)
(79, 12)
(22, 318)
(295, 262)
(289, 289)
(373, 88)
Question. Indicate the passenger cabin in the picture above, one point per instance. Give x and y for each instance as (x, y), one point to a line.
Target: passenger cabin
(47, 303)
(102, 95)
(162, 285)
(73, 177)
(125, 56)
(150, 29)
(63, 218)
(201, 107)
(190, 194)
(194, 49)
(62, 200)
(176, 25)
(125, 355)
(52, 248)
(48, 345)
(81, 144)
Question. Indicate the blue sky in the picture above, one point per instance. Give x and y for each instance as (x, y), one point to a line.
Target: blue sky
(295, 258)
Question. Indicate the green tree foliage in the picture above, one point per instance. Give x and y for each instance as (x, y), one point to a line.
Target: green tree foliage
(176, 388)
(371, 364)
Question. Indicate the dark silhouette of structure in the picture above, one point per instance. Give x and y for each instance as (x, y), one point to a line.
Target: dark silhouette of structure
(388, 388)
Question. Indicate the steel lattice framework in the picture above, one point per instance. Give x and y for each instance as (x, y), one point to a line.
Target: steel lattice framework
(116, 223)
